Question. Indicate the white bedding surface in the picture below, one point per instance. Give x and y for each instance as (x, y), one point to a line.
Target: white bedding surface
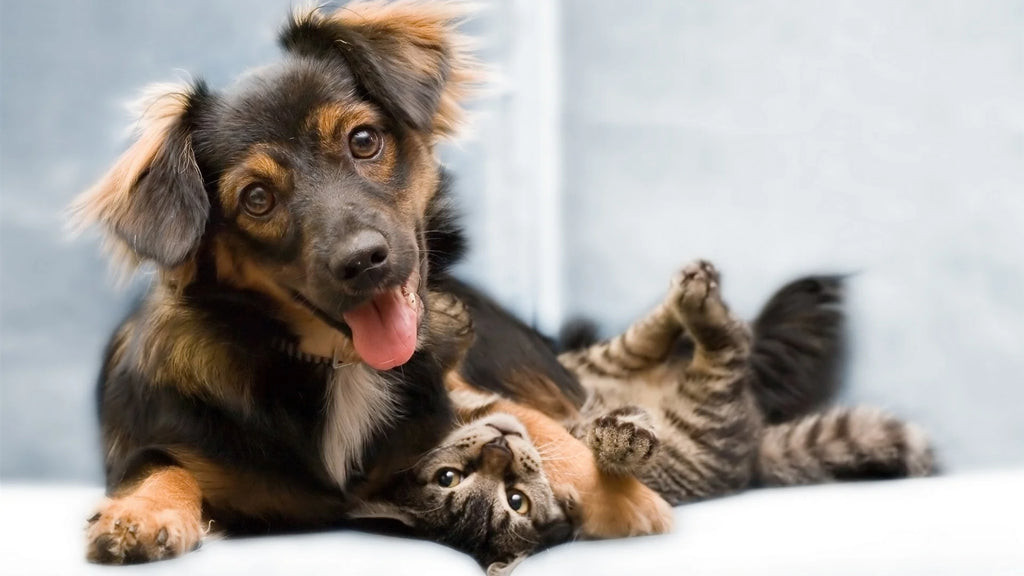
(967, 524)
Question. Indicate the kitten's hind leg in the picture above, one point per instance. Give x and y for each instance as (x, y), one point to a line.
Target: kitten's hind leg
(644, 345)
(709, 428)
(721, 340)
(623, 440)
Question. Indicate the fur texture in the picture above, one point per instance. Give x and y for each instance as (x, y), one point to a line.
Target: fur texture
(289, 361)
(252, 203)
(673, 402)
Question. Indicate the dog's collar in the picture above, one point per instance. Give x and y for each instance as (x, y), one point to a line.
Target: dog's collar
(292, 350)
(324, 317)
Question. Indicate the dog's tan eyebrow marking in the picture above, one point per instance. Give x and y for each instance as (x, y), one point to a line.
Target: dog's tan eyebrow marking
(260, 165)
(270, 166)
(330, 122)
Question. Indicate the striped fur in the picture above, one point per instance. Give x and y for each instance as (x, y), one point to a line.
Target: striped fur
(688, 426)
(842, 444)
(691, 427)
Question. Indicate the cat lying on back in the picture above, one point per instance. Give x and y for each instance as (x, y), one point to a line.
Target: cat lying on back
(687, 424)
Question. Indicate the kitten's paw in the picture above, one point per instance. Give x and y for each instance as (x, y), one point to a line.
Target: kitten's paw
(131, 530)
(696, 298)
(623, 440)
(696, 286)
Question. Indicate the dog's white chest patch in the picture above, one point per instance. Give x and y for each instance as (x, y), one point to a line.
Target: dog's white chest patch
(359, 402)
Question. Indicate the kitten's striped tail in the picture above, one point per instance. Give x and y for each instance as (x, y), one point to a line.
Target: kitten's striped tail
(842, 444)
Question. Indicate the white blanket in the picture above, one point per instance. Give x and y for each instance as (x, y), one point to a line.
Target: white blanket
(963, 525)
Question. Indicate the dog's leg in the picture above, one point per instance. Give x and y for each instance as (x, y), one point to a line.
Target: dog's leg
(610, 505)
(606, 505)
(160, 517)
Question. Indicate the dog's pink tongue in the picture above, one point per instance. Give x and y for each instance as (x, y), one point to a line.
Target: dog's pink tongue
(384, 330)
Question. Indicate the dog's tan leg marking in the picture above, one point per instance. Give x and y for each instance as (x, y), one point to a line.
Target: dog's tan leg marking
(158, 518)
(608, 505)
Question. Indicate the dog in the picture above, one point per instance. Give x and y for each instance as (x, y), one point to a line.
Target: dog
(286, 360)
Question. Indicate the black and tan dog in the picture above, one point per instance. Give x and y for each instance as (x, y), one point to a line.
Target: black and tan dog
(284, 362)
(293, 352)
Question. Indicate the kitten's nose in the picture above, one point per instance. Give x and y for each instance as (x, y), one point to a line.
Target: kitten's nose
(495, 457)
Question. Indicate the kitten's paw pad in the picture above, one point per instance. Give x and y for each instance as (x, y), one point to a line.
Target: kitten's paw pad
(623, 441)
(130, 531)
(696, 285)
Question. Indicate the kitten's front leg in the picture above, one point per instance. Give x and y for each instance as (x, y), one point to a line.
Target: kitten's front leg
(644, 345)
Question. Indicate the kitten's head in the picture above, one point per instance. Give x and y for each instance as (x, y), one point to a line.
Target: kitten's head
(481, 491)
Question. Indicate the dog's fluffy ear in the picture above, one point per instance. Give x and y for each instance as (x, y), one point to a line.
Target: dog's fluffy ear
(405, 55)
(152, 202)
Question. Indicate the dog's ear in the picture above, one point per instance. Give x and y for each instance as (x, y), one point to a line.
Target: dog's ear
(406, 56)
(152, 203)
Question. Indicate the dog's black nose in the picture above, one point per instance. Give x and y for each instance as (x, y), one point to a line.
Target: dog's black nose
(361, 260)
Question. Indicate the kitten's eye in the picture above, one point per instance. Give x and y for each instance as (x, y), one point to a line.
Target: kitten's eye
(365, 142)
(449, 478)
(518, 501)
(257, 200)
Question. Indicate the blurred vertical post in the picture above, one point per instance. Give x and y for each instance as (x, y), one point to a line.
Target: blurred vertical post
(524, 174)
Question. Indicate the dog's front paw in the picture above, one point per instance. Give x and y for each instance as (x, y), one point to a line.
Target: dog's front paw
(132, 530)
(623, 440)
(450, 316)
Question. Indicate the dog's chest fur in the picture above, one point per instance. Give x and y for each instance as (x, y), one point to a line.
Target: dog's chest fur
(359, 404)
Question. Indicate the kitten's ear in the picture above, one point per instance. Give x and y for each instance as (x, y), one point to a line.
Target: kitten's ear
(505, 568)
(406, 56)
(380, 510)
(152, 203)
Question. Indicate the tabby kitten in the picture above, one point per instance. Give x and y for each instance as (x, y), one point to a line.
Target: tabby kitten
(481, 491)
(671, 401)
(691, 428)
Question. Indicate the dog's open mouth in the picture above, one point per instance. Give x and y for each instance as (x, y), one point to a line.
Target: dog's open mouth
(385, 328)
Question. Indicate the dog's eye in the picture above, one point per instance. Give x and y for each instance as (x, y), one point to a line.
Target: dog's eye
(449, 478)
(365, 142)
(257, 200)
(518, 501)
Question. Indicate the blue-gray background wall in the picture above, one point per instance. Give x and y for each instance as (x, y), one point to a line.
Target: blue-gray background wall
(884, 138)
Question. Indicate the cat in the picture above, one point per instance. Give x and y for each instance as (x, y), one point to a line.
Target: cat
(483, 491)
(671, 401)
(487, 490)
(691, 427)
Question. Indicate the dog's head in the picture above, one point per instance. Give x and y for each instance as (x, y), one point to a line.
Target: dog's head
(309, 180)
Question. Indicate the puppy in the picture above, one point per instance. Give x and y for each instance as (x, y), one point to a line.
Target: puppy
(284, 364)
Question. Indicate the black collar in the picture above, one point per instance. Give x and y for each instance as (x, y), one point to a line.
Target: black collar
(291, 349)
